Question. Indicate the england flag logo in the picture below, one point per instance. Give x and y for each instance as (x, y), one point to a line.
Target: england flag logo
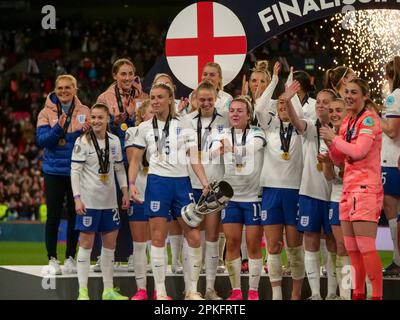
(87, 221)
(155, 206)
(304, 221)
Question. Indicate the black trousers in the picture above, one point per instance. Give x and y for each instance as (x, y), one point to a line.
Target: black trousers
(58, 190)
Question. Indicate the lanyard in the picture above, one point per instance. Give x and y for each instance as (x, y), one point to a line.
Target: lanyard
(285, 140)
(201, 141)
(69, 116)
(165, 133)
(349, 133)
(103, 156)
(119, 99)
(239, 157)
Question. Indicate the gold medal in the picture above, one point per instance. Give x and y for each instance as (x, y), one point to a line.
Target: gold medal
(62, 142)
(104, 178)
(286, 156)
(146, 170)
(124, 126)
(319, 166)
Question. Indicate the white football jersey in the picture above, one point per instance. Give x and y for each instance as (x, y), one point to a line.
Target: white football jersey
(141, 179)
(309, 109)
(392, 104)
(391, 147)
(337, 186)
(170, 160)
(245, 180)
(214, 168)
(313, 182)
(94, 193)
(278, 172)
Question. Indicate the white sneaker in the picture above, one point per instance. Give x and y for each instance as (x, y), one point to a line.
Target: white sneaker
(96, 267)
(54, 267)
(212, 295)
(315, 297)
(332, 297)
(130, 264)
(221, 266)
(70, 265)
(177, 268)
(193, 296)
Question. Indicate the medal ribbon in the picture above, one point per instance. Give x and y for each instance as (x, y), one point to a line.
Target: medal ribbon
(202, 140)
(104, 157)
(165, 133)
(69, 116)
(285, 140)
(239, 157)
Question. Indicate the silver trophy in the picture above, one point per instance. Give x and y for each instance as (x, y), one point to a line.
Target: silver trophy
(216, 199)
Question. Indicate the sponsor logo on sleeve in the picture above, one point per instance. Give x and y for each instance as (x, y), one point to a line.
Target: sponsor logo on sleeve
(390, 101)
(368, 121)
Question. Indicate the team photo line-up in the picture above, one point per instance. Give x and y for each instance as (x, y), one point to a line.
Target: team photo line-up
(304, 172)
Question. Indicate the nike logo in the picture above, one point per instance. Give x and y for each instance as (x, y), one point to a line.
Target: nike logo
(159, 266)
(81, 261)
(196, 266)
(256, 219)
(215, 257)
(91, 152)
(253, 276)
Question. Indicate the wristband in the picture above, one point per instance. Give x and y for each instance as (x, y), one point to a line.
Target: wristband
(78, 196)
(131, 183)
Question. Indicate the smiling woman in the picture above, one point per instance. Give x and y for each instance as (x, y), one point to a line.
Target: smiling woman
(60, 123)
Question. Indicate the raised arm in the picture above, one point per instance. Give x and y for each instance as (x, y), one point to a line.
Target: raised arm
(290, 92)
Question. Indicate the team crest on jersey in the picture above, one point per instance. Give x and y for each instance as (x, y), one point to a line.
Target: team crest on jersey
(178, 130)
(155, 206)
(87, 221)
(264, 215)
(304, 221)
(223, 214)
(389, 101)
(81, 118)
(220, 128)
(113, 150)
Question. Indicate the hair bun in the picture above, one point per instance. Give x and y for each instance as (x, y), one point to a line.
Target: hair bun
(261, 65)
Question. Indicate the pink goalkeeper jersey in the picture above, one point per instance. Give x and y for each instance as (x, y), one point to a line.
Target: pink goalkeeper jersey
(363, 175)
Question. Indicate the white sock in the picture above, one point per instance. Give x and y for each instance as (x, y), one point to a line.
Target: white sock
(203, 245)
(324, 252)
(148, 250)
(331, 273)
(312, 265)
(243, 245)
(255, 267)
(186, 268)
(194, 261)
(139, 263)
(369, 287)
(158, 266)
(211, 263)
(233, 267)
(176, 248)
(274, 264)
(221, 245)
(166, 258)
(343, 276)
(83, 266)
(393, 233)
(107, 267)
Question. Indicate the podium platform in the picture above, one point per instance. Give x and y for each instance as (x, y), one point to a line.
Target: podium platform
(30, 283)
